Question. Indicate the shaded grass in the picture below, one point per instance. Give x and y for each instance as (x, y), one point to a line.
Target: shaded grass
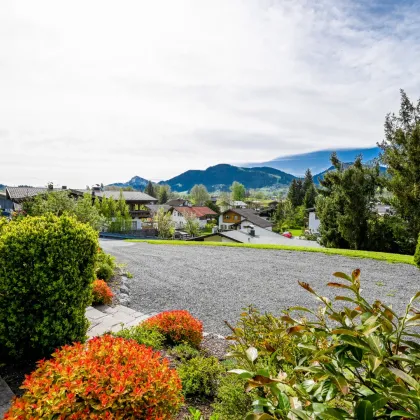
(381, 256)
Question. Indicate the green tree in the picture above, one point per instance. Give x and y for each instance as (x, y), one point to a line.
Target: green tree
(283, 213)
(307, 181)
(349, 198)
(401, 155)
(150, 190)
(296, 193)
(199, 195)
(212, 206)
(164, 225)
(115, 212)
(238, 191)
(163, 193)
(310, 196)
(192, 225)
(224, 201)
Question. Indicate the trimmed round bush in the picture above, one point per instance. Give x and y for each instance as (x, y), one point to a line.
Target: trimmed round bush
(47, 270)
(178, 327)
(143, 334)
(101, 293)
(104, 271)
(417, 254)
(106, 378)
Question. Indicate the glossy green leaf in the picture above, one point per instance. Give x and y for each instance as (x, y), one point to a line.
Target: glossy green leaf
(401, 413)
(405, 377)
(364, 410)
(378, 401)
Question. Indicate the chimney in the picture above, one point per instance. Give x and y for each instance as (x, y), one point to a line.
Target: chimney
(50, 186)
(64, 187)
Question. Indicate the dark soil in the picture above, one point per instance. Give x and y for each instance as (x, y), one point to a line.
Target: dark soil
(14, 374)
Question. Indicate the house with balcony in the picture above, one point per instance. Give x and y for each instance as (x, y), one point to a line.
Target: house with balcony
(238, 219)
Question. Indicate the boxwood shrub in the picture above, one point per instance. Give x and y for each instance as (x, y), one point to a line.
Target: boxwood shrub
(46, 275)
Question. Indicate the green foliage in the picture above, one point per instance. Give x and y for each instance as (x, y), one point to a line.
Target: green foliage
(150, 190)
(310, 196)
(199, 195)
(224, 200)
(116, 213)
(184, 352)
(47, 270)
(347, 205)
(360, 361)
(238, 191)
(192, 225)
(60, 202)
(143, 334)
(163, 193)
(104, 271)
(196, 415)
(212, 206)
(232, 402)
(163, 222)
(296, 192)
(200, 376)
(401, 155)
(417, 254)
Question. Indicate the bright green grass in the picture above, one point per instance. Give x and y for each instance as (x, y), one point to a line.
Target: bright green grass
(382, 256)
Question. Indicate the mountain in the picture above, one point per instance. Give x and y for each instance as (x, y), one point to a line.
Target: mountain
(316, 161)
(137, 182)
(2, 187)
(221, 177)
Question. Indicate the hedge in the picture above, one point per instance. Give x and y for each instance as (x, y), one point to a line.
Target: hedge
(46, 275)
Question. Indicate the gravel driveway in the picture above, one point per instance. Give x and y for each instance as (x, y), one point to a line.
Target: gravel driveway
(215, 283)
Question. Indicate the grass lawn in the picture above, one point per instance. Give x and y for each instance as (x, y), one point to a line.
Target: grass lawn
(382, 256)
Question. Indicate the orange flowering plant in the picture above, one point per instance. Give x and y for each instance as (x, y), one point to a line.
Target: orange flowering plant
(101, 292)
(178, 327)
(108, 377)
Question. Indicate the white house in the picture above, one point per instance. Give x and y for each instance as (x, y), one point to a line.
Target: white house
(313, 221)
(203, 214)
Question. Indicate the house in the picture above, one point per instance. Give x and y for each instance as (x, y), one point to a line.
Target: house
(234, 219)
(154, 208)
(249, 236)
(239, 205)
(179, 202)
(137, 203)
(313, 221)
(203, 214)
(19, 194)
(7, 207)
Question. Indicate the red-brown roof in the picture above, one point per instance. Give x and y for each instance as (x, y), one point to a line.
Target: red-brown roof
(197, 211)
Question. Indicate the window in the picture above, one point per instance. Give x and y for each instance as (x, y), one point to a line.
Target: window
(235, 217)
(227, 217)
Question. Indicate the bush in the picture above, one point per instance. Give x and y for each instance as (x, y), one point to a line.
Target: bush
(417, 254)
(200, 376)
(101, 292)
(142, 334)
(108, 377)
(46, 284)
(178, 327)
(358, 362)
(105, 266)
(185, 352)
(232, 402)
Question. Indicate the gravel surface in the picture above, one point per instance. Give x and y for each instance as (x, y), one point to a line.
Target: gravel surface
(215, 283)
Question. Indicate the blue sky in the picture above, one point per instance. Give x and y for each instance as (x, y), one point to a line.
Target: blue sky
(100, 91)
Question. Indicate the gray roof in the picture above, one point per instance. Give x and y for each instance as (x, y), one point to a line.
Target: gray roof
(154, 208)
(252, 217)
(19, 194)
(177, 202)
(128, 196)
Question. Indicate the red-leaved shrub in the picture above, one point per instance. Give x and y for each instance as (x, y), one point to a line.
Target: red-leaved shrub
(101, 292)
(106, 378)
(178, 327)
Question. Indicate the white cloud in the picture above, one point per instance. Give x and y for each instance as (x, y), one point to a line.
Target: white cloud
(103, 90)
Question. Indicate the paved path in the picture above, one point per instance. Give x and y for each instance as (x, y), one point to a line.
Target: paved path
(6, 396)
(105, 318)
(215, 283)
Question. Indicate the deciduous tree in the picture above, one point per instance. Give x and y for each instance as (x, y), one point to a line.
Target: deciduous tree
(164, 225)
(238, 191)
(199, 195)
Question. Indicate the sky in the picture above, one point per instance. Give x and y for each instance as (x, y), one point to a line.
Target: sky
(99, 91)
